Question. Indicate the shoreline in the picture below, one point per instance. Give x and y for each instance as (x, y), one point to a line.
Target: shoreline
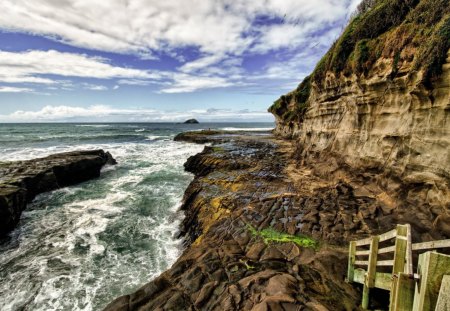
(245, 228)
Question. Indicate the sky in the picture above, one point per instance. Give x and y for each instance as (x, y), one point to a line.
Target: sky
(158, 60)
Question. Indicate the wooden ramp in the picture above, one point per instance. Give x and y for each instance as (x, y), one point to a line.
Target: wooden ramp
(386, 262)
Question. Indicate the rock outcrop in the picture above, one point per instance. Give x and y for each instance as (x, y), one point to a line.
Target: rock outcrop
(21, 181)
(379, 104)
(191, 121)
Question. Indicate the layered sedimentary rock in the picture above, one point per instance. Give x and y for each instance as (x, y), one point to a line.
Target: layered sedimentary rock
(21, 181)
(379, 104)
(395, 132)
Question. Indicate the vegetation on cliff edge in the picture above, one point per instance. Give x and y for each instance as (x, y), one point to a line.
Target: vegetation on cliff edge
(402, 30)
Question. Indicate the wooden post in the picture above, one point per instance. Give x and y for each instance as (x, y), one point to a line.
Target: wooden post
(401, 243)
(409, 264)
(443, 302)
(432, 267)
(371, 271)
(402, 293)
(351, 262)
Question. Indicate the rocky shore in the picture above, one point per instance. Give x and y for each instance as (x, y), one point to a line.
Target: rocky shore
(268, 220)
(260, 232)
(21, 181)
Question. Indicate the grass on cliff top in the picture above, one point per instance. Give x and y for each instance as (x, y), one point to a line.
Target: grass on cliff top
(272, 235)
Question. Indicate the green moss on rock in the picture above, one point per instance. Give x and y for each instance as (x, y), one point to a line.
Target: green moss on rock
(271, 235)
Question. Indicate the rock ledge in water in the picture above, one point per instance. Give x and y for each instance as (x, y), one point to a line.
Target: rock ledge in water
(21, 181)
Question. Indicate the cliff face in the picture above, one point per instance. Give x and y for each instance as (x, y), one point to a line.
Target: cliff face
(388, 114)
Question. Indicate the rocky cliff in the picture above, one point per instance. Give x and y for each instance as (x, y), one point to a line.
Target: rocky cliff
(268, 220)
(378, 103)
(21, 181)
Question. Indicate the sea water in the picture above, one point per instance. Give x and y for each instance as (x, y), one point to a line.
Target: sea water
(79, 247)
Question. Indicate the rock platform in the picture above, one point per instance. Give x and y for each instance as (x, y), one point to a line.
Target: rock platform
(250, 217)
(21, 181)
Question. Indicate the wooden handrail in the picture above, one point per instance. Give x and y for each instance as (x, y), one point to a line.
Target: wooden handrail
(363, 242)
(402, 266)
(385, 263)
(385, 250)
(431, 245)
(388, 235)
(361, 263)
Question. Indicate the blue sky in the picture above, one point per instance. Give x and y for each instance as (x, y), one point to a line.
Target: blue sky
(158, 60)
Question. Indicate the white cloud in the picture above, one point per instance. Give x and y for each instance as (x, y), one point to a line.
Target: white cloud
(94, 87)
(10, 89)
(201, 63)
(106, 113)
(29, 66)
(33, 66)
(222, 34)
(186, 83)
(134, 82)
(216, 27)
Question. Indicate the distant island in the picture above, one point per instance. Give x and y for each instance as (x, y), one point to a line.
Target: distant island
(191, 121)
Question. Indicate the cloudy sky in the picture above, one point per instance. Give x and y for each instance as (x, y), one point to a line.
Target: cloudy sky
(158, 60)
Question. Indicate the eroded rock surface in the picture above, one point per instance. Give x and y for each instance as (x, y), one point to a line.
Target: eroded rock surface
(21, 181)
(243, 182)
(393, 133)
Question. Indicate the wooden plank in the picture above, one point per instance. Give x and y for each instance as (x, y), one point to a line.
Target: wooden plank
(363, 242)
(385, 263)
(383, 280)
(388, 235)
(402, 295)
(359, 276)
(443, 302)
(363, 253)
(432, 267)
(385, 250)
(361, 262)
(351, 261)
(431, 245)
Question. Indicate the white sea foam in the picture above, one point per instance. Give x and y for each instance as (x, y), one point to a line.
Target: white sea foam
(79, 244)
(93, 125)
(249, 129)
(139, 130)
(154, 137)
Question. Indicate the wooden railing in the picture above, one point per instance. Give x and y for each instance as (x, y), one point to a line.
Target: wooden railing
(391, 249)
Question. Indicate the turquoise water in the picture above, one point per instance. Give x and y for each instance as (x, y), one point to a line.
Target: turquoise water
(79, 247)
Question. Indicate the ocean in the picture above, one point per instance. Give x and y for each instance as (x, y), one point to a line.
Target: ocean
(79, 247)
